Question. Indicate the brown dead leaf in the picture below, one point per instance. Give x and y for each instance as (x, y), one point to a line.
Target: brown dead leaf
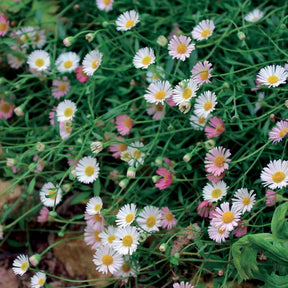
(11, 195)
(8, 278)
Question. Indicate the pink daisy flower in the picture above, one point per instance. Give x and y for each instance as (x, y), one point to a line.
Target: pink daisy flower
(157, 110)
(96, 221)
(180, 48)
(224, 218)
(91, 237)
(167, 218)
(43, 215)
(4, 24)
(201, 72)
(270, 198)
(217, 234)
(80, 74)
(241, 230)
(40, 164)
(216, 160)
(182, 284)
(279, 132)
(171, 102)
(218, 127)
(215, 179)
(117, 148)
(165, 182)
(60, 87)
(51, 115)
(105, 4)
(258, 84)
(203, 30)
(204, 208)
(6, 109)
(124, 124)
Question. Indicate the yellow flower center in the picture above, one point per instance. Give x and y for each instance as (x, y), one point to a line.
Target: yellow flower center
(204, 74)
(221, 231)
(187, 93)
(130, 23)
(41, 281)
(95, 64)
(160, 95)
(125, 268)
(246, 200)
(181, 48)
(68, 64)
(5, 108)
(227, 217)
(219, 161)
(62, 87)
(97, 217)
(205, 33)
(122, 147)
(129, 218)
(208, 105)
(39, 62)
(89, 170)
(128, 123)
(96, 236)
(155, 77)
(24, 38)
(159, 107)
(3, 27)
(254, 19)
(273, 79)
(37, 37)
(150, 221)
(146, 60)
(136, 154)
(201, 120)
(283, 132)
(219, 128)
(169, 217)
(111, 238)
(127, 240)
(51, 192)
(107, 2)
(68, 112)
(97, 207)
(278, 177)
(107, 260)
(216, 193)
(24, 266)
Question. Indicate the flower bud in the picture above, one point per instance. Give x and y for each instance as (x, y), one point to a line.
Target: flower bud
(35, 259)
(187, 157)
(66, 187)
(241, 35)
(40, 146)
(162, 40)
(10, 162)
(68, 41)
(286, 103)
(209, 144)
(131, 172)
(53, 214)
(142, 237)
(163, 247)
(226, 85)
(123, 183)
(19, 111)
(159, 161)
(185, 107)
(89, 37)
(96, 147)
(156, 178)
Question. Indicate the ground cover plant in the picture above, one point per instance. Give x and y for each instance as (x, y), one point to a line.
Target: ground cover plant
(143, 143)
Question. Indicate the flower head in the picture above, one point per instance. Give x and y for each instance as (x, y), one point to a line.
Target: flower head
(184, 91)
(167, 218)
(205, 104)
(50, 195)
(149, 219)
(204, 208)
(91, 62)
(215, 191)
(275, 175)
(126, 215)
(94, 205)
(127, 20)
(216, 160)
(270, 198)
(20, 264)
(244, 200)
(166, 181)
(43, 215)
(96, 221)
(179, 47)
(144, 57)
(66, 110)
(218, 127)
(4, 24)
(157, 110)
(201, 72)
(218, 234)
(215, 179)
(38, 280)
(67, 62)
(203, 30)
(137, 156)
(80, 74)
(60, 87)
(39, 60)
(108, 236)
(128, 269)
(105, 5)
(158, 91)
(254, 16)
(182, 284)
(87, 170)
(117, 148)
(279, 132)
(6, 109)
(241, 230)
(197, 122)
(92, 237)
(124, 124)
(155, 74)
(272, 76)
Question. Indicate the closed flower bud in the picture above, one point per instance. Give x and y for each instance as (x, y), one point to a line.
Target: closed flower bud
(40, 146)
(131, 172)
(156, 178)
(35, 259)
(68, 41)
(53, 214)
(10, 162)
(163, 247)
(19, 111)
(124, 182)
(159, 161)
(241, 35)
(89, 37)
(162, 40)
(185, 107)
(96, 147)
(66, 187)
(209, 144)
(187, 157)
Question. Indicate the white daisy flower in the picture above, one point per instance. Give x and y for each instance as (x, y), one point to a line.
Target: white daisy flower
(126, 215)
(14, 61)
(215, 191)
(272, 75)
(275, 175)
(87, 170)
(65, 110)
(179, 47)
(91, 62)
(155, 74)
(197, 122)
(158, 91)
(128, 269)
(92, 237)
(67, 62)
(107, 260)
(20, 264)
(104, 4)
(184, 91)
(144, 57)
(205, 104)
(39, 60)
(203, 30)
(127, 20)
(254, 16)
(38, 280)
(244, 200)
(108, 236)
(217, 234)
(94, 205)
(50, 195)
(137, 156)
(126, 240)
(149, 219)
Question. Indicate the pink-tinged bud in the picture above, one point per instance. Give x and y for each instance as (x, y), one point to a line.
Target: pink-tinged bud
(96, 147)
(68, 41)
(131, 172)
(187, 157)
(270, 198)
(19, 111)
(10, 162)
(35, 259)
(123, 183)
(185, 107)
(43, 215)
